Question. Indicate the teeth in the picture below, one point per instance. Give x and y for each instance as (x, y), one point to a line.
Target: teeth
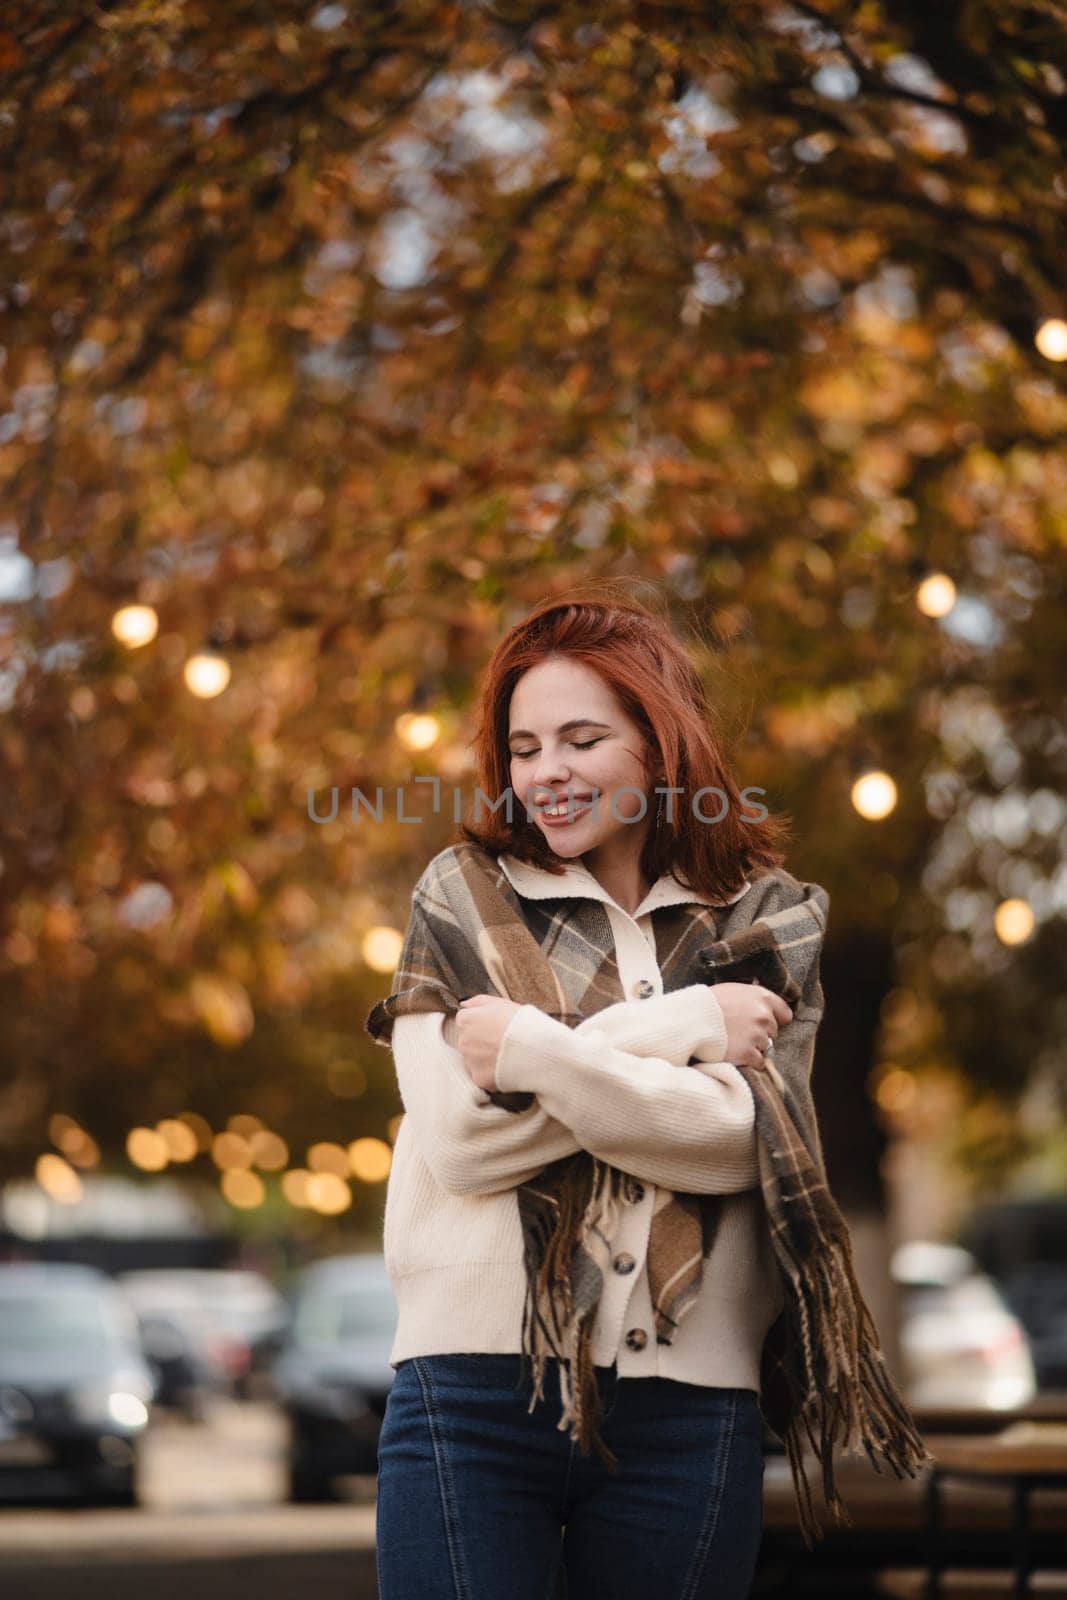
(561, 811)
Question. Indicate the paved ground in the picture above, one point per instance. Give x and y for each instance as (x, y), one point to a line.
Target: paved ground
(211, 1522)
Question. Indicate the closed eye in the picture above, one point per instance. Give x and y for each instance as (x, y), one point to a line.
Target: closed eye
(522, 755)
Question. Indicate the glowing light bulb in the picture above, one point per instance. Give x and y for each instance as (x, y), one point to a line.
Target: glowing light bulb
(58, 1179)
(1051, 339)
(242, 1189)
(1013, 921)
(206, 674)
(370, 1159)
(147, 1149)
(179, 1138)
(874, 795)
(381, 948)
(295, 1185)
(134, 626)
(417, 730)
(328, 1193)
(936, 595)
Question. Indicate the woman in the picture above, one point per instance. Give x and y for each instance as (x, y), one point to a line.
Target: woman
(594, 707)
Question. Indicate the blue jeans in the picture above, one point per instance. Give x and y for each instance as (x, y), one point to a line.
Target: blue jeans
(480, 1500)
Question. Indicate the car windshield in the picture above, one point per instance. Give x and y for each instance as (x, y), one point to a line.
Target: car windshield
(333, 1316)
(56, 1321)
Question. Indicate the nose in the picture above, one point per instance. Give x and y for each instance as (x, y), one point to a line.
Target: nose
(550, 770)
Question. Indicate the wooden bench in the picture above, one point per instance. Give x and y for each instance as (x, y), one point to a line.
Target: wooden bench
(976, 1516)
(1026, 1456)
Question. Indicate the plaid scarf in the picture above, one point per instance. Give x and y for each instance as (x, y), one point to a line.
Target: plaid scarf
(822, 1370)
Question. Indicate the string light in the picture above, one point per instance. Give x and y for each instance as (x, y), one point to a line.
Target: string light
(135, 626)
(58, 1179)
(1051, 339)
(243, 1189)
(269, 1151)
(230, 1151)
(329, 1193)
(874, 795)
(418, 730)
(381, 948)
(179, 1138)
(147, 1149)
(369, 1159)
(206, 674)
(1013, 921)
(327, 1157)
(295, 1185)
(936, 595)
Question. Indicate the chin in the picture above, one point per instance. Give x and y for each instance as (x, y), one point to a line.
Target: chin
(566, 851)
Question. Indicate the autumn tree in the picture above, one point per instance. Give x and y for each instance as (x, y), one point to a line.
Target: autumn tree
(337, 335)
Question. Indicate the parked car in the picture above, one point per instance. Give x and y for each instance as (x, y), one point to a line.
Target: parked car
(333, 1376)
(961, 1344)
(229, 1314)
(177, 1346)
(249, 1309)
(75, 1391)
(1037, 1293)
(1022, 1244)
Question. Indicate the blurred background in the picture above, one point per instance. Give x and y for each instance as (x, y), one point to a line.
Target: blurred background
(332, 337)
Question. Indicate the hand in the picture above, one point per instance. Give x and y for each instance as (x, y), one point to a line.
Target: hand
(753, 1016)
(480, 1025)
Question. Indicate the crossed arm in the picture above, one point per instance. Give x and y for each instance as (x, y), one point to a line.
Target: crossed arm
(609, 1086)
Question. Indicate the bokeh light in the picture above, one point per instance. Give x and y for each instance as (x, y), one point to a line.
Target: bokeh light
(381, 948)
(58, 1179)
(936, 595)
(369, 1159)
(231, 1151)
(269, 1150)
(295, 1185)
(874, 795)
(1013, 921)
(135, 626)
(1051, 339)
(206, 675)
(417, 730)
(179, 1138)
(147, 1149)
(242, 1189)
(329, 1193)
(328, 1157)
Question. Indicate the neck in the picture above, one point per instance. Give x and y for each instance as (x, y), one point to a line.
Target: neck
(619, 872)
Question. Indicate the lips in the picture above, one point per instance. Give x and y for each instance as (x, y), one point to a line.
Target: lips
(573, 807)
(562, 799)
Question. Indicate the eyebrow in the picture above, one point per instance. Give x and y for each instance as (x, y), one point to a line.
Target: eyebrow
(564, 727)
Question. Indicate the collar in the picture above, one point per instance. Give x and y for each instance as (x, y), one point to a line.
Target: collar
(535, 883)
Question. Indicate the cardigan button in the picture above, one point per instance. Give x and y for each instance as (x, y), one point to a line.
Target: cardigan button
(643, 989)
(624, 1263)
(637, 1338)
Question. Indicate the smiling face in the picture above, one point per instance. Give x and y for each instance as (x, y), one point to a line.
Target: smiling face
(570, 737)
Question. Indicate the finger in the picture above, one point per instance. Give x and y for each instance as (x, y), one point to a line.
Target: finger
(780, 1008)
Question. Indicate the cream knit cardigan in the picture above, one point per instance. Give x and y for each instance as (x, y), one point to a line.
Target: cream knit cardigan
(619, 1086)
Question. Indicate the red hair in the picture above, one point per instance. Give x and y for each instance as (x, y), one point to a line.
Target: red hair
(638, 655)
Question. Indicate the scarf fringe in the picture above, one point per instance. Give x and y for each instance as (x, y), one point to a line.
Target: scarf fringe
(844, 1398)
(848, 1396)
(549, 1252)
